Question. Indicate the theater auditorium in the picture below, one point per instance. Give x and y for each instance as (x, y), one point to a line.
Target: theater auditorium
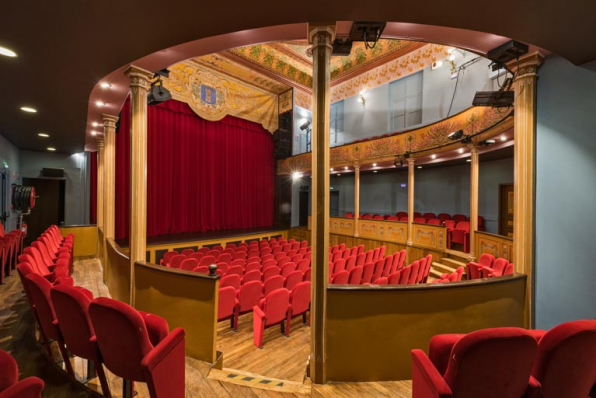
(315, 199)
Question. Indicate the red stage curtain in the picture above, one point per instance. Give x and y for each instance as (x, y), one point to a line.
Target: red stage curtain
(201, 175)
(93, 189)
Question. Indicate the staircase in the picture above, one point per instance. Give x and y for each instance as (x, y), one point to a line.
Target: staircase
(446, 266)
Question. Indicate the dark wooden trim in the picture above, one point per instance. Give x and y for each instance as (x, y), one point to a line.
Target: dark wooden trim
(176, 271)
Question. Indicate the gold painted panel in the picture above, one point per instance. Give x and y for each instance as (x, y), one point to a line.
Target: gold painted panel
(431, 236)
(396, 231)
(341, 226)
(498, 246)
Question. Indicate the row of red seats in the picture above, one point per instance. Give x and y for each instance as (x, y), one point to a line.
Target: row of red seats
(488, 267)
(11, 245)
(509, 363)
(347, 261)
(236, 302)
(371, 255)
(181, 261)
(85, 327)
(10, 386)
(403, 214)
(452, 277)
(415, 273)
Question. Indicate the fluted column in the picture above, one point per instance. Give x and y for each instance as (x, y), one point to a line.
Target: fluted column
(321, 37)
(356, 199)
(109, 186)
(524, 158)
(100, 181)
(474, 168)
(411, 163)
(139, 85)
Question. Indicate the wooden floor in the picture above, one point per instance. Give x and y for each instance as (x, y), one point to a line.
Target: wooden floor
(281, 358)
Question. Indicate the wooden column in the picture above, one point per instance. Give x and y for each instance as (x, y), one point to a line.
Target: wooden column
(356, 199)
(109, 186)
(139, 85)
(524, 182)
(411, 162)
(474, 167)
(100, 182)
(321, 37)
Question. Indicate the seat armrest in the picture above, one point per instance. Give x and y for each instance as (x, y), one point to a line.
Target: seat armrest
(534, 389)
(258, 312)
(538, 334)
(161, 350)
(426, 380)
(31, 387)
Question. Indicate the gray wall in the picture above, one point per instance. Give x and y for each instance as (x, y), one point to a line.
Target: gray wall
(77, 175)
(565, 193)
(437, 190)
(10, 154)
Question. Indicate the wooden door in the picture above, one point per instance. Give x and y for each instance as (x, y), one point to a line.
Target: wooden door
(506, 210)
(334, 203)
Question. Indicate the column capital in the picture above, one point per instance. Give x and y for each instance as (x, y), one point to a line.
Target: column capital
(527, 65)
(100, 142)
(316, 28)
(473, 148)
(357, 166)
(109, 120)
(139, 77)
(411, 161)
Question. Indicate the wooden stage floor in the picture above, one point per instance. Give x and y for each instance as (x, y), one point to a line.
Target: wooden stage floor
(282, 359)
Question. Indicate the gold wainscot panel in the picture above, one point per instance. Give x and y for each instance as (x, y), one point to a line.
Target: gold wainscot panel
(430, 236)
(497, 245)
(341, 226)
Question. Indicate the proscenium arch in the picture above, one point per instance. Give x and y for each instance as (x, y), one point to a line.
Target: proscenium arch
(475, 41)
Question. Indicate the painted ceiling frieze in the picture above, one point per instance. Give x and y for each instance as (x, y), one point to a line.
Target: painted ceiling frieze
(472, 121)
(213, 95)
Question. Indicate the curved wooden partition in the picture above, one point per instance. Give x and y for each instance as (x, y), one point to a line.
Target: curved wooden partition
(185, 299)
(117, 271)
(371, 330)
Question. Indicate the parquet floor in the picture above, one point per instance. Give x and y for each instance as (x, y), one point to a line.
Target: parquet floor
(281, 358)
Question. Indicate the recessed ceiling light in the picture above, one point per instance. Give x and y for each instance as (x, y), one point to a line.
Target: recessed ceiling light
(419, 167)
(51, 149)
(338, 174)
(468, 160)
(332, 169)
(433, 156)
(45, 135)
(375, 171)
(461, 150)
(100, 103)
(95, 124)
(28, 109)
(491, 141)
(503, 138)
(345, 167)
(7, 53)
(93, 133)
(105, 85)
(374, 165)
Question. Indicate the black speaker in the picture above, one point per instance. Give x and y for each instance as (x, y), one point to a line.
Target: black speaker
(54, 173)
(282, 139)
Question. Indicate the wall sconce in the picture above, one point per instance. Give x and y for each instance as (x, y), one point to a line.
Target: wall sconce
(361, 99)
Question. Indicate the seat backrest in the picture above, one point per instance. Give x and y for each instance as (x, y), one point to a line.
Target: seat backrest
(486, 260)
(509, 269)
(307, 275)
(353, 251)
(350, 262)
(287, 269)
(421, 269)
(376, 254)
(300, 297)
(270, 272)
(282, 261)
(224, 258)
(272, 283)
(388, 262)
(401, 214)
(414, 267)
(167, 257)
(43, 250)
(339, 265)
(463, 225)
(189, 264)
(491, 363)
(276, 305)
(429, 216)
(404, 277)
(40, 289)
(10, 371)
(355, 275)
(249, 295)
(377, 217)
(203, 250)
(293, 278)
(254, 275)
(207, 260)
(381, 281)
(403, 219)
(177, 260)
(35, 266)
(459, 217)
(236, 269)
(434, 221)
(346, 253)
(565, 364)
(402, 259)
(500, 264)
(230, 280)
(420, 220)
(341, 278)
(367, 272)
(444, 216)
(303, 265)
(369, 257)
(122, 353)
(360, 259)
(337, 255)
(226, 302)
(71, 305)
(450, 224)
(379, 268)
(187, 252)
(393, 278)
(392, 218)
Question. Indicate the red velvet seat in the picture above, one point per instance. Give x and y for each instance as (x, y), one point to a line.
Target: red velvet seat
(421, 270)
(367, 272)
(167, 257)
(434, 221)
(355, 275)
(282, 261)
(294, 278)
(203, 250)
(225, 258)
(254, 275)
(378, 217)
(10, 386)
(404, 276)
(366, 217)
(303, 265)
(230, 280)
(189, 264)
(296, 258)
(206, 260)
(461, 235)
(268, 263)
(369, 257)
(52, 276)
(486, 363)
(475, 269)
(177, 260)
(273, 310)
(203, 269)
(71, 305)
(404, 219)
(235, 270)
(392, 218)
(459, 217)
(393, 278)
(381, 281)
(444, 216)
(360, 259)
(239, 255)
(379, 268)
(350, 263)
(251, 267)
(187, 252)
(414, 268)
(273, 283)
(307, 275)
(287, 268)
(417, 214)
(420, 220)
(248, 296)
(341, 278)
(401, 214)
(565, 365)
(300, 302)
(497, 268)
(429, 216)
(131, 352)
(339, 265)
(270, 272)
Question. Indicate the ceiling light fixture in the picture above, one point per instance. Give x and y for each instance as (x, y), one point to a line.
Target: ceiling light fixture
(331, 169)
(93, 133)
(345, 167)
(433, 156)
(95, 124)
(51, 149)
(374, 165)
(503, 138)
(338, 174)
(105, 85)
(44, 135)
(7, 53)
(436, 65)
(461, 150)
(375, 171)
(468, 160)
(28, 109)
(100, 103)
(296, 175)
(419, 167)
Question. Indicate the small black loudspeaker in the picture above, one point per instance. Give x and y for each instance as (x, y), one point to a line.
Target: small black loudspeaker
(282, 140)
(53, 173)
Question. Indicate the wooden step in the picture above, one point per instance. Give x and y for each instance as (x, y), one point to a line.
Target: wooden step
(252, 380)
(434, 274)
(441, 268)
(455, 264)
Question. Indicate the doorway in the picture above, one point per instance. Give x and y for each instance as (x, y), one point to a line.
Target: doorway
(334, 203)
(49, 206)
(506, 210)
(4, 199)
(303, 200)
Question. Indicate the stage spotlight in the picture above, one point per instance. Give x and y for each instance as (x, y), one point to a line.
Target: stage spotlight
(158, 93)
(456, 135)
(296, 175)
(305, 125)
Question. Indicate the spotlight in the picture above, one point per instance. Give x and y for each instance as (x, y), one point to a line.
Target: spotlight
(456, 135)
(488, 142)
(398, 162)
(461, 150)
(28, 109)
(503, 138)
(44, 135)
(105, 85)
(345, 167)
(305, 124)
(374, 165)
(368, 32)
(467, 140)
(158, 93)
(100, 103)
(433, 156)
(95, 124)
(331, 169)
(94, 133)
(375, 171)
(296, 175)
(419, 167)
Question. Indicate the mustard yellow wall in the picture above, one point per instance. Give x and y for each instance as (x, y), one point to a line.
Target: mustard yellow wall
(85, 243)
